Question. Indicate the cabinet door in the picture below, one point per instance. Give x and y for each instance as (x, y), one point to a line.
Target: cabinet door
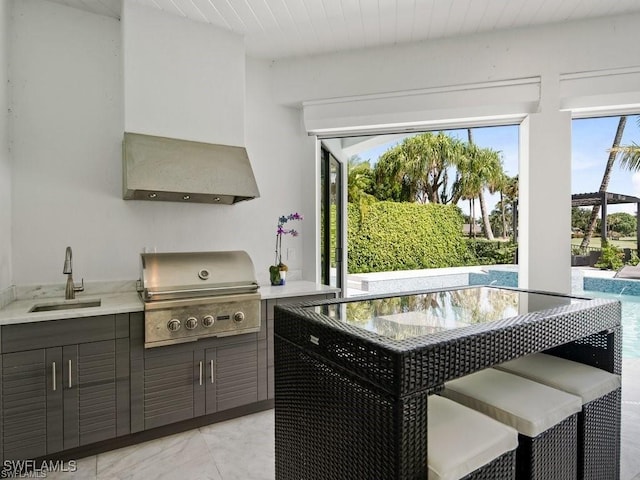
(231, 376)
(31, 403)
(168, 388)
(89, 385)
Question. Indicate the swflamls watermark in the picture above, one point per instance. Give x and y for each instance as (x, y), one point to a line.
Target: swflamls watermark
(35, 469)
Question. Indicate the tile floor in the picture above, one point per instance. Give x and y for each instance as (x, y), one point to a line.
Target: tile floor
(242, 449)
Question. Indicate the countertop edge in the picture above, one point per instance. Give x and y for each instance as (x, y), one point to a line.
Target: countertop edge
(111, 304)
(296, 288)
(17, 311)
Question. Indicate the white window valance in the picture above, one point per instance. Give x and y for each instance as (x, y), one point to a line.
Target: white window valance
(489, 103)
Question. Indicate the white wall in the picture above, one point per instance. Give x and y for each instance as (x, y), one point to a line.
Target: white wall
(597, 44)
(333, 87)
(5, 164)
(68, 118)
(182, 79)
(68, 113)
(279, 149)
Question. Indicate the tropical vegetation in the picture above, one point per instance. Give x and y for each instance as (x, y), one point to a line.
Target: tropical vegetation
(620, 224)
(403, 212)
(404, 236)
(610, 257)
(628, 157)
(629, 154)
(436, 168)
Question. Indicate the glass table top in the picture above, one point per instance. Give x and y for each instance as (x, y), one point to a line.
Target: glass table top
(409, 316)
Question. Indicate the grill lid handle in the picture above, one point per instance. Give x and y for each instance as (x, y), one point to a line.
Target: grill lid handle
(237, 289)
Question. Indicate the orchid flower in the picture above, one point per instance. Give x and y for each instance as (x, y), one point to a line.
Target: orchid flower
(280, 231)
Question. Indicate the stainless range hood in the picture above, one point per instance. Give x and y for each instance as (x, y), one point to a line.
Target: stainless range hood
(172, 170)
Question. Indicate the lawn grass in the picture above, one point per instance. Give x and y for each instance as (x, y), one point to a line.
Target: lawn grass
(624, 242)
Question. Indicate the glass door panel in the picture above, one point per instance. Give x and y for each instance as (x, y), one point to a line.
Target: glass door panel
(331, 235)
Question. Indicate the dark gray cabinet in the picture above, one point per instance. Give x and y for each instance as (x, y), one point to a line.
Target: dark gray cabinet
(178, 382)
(74, 382)
(167, 388)
(231, 376)
(57, 395)
(90, 391)
(26, 379)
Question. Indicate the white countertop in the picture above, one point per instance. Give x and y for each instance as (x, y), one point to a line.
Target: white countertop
(126, 302)
(110, 303)
(294, 288)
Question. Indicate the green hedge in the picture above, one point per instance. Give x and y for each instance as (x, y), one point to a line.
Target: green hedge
(485, 252)
(388, 236)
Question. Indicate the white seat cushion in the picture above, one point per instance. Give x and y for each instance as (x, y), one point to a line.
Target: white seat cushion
(461, 440)
(529, 407)
(576, 378)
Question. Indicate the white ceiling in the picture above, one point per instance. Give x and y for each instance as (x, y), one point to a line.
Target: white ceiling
(283, 28)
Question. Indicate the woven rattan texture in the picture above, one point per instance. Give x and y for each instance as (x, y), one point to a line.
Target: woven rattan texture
(599, 438)
(329, 426)
(412, 365)
(595, 350)
(502, 468)
(552, 455)
(353, 405)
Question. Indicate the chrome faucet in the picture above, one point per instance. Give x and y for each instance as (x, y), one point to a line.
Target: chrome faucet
(70, 290)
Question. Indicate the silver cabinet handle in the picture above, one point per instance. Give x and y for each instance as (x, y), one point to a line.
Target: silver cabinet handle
(200, 373)
(212, 375)
(53, 375)
(70, 374)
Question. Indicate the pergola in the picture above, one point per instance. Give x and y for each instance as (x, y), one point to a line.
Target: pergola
(603, 199)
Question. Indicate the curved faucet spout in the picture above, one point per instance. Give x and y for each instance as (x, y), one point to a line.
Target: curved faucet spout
(67, 269)
(70, 289)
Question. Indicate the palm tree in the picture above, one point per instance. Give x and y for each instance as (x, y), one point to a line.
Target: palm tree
(419, 167)
(489, 170)
(629, 154)
(499, 184)
(605, 182)
(469, 183)
(467, 188)
(511, 193)
(479, 168)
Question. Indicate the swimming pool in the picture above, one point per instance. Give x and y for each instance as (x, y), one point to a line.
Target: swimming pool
(508, 277)
(630, 320)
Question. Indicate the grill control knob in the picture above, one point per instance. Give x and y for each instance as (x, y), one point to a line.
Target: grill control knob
(173, 325)
(238, 317)
(208, 320)
(191, 323)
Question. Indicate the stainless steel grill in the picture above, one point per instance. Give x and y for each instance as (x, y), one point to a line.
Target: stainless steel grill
(193, 295)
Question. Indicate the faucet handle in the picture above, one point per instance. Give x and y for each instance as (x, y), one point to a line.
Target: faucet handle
(80, 288)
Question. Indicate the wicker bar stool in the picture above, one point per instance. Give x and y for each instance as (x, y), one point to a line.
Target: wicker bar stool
(464, 444)
(546, 419)
(599, 419)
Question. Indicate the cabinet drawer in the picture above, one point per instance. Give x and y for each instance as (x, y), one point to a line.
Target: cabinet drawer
(52, 333)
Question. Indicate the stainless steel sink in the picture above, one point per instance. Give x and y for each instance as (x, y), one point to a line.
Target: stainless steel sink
(67, 305)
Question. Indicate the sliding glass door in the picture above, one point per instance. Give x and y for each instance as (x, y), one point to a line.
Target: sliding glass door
(331, 232)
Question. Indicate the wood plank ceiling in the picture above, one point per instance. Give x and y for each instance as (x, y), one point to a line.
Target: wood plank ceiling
(284, 28)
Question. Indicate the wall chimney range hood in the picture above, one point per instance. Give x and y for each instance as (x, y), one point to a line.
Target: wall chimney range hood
(172, 170)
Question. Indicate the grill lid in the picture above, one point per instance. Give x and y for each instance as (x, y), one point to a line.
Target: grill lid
(178, 275)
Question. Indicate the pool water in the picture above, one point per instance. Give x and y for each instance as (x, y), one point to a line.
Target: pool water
(630, 321)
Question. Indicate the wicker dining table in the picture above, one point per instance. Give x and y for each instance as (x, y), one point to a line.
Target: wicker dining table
(353, 376)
